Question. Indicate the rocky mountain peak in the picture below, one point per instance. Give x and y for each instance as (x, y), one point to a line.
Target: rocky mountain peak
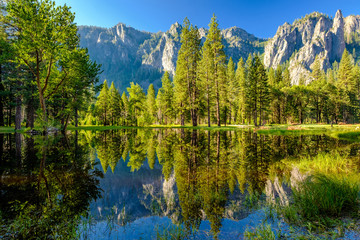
(313, 36)
(338, 15)
(237, 32)
(127, 54)
(175, 29)
(338, 23)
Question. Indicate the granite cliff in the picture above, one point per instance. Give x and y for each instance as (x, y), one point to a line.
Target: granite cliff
(127, 54)
(316, 36)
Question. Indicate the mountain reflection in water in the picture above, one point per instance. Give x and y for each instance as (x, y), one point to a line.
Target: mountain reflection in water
(134, 183)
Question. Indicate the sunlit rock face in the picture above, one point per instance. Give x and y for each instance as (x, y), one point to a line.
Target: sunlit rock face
(315, 36)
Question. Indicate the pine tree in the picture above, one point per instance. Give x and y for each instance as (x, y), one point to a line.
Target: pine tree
(345, 77)
(125, 109)
(249, 104)
(136, 102)
(346, 84)
(206, 75)
(186, 84)
(232, 90)
(258, 91)
(102, 104)
(114, 104)
(151, 105)
(263, 91)
(213, 66)
(166, 98)
(241, 79)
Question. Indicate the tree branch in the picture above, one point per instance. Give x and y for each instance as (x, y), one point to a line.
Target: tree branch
(27, 64)
(57, 87)
(47, 76)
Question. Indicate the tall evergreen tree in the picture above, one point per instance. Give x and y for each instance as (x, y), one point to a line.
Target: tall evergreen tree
(346, 85)
(151, 105)
(263, 91)
(102, 105)
(166, 98)
(114, 104)
(186, 84)
(232, 86)
(258, 91)
(241, 81)
(136, 102)
(125, 109)
(213, 65)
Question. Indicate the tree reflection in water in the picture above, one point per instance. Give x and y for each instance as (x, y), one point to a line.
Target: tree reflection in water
(48, 182)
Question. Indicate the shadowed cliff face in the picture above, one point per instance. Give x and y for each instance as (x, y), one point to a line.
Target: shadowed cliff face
(127, 54)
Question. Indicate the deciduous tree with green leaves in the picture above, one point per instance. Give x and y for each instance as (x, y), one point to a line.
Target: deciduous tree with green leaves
(45, 37)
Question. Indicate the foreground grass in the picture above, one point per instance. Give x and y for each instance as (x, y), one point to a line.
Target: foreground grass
(326, 163)
(262, 231)
(325, 199)
(324, 196)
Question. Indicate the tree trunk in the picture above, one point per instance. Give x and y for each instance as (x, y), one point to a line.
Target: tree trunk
(230, 112)
(194, 117)
(1, 147)
(255, 118)
(218, 109)
(18, 113)
(76, 117)
(1, 99)
(66, 122)
(30, 113)
(182, 117)
(43, 106)
(9, 116)
(208, 109)
(18, 141)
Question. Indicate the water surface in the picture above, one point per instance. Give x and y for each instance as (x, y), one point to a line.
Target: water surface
(138, 184)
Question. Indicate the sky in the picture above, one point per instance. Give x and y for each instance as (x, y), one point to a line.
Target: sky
(258, 17)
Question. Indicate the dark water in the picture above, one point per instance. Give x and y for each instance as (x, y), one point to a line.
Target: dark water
(140, 184)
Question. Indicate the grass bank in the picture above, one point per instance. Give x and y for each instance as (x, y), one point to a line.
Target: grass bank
(325, 197)
(201, 127)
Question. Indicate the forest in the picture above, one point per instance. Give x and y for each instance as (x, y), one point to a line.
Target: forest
(47, 79)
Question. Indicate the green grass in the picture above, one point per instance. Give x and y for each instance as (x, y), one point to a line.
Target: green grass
(350, 136)
(326, 163)
(172, 232)
(202, 127)
(339, 131)
(322, 196)
(7, 129)
(262, 231)
(285, 132)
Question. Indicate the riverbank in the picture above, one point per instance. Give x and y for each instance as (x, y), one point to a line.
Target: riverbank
(349, 132)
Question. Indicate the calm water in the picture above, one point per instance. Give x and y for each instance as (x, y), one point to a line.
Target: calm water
(137, 184)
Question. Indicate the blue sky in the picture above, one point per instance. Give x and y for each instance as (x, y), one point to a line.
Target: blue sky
(259, 17)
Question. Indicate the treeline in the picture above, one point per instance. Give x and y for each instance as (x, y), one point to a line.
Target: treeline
(209, 89)
(46, 78)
